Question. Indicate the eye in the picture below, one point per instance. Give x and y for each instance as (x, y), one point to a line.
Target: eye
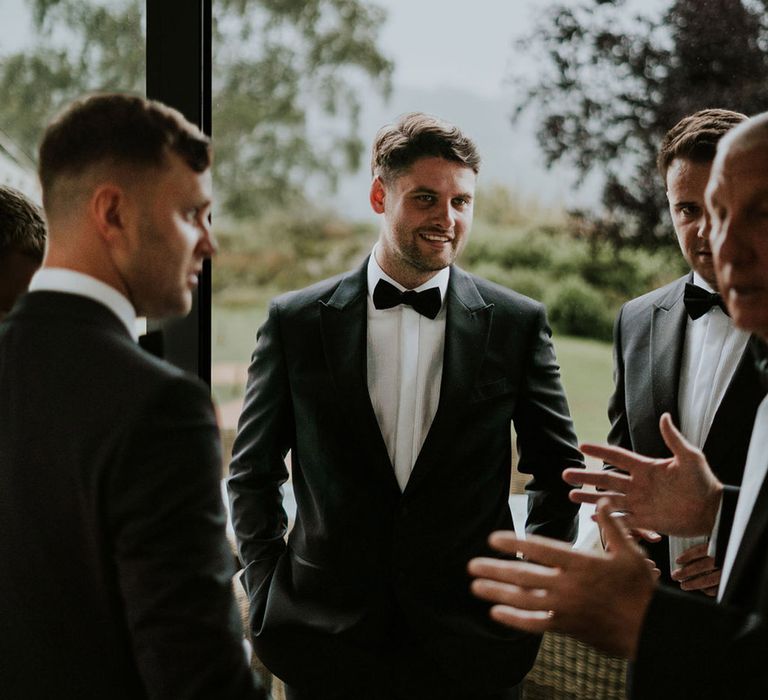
(425, 198)
(689, 211)
(461, 202)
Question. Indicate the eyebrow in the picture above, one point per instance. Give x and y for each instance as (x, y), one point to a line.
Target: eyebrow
(428, 190)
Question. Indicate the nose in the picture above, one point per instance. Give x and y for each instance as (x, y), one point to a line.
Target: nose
(445, 216)
(705, 226)
(208, 246)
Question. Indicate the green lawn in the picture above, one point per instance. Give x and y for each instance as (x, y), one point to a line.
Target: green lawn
(586, 366)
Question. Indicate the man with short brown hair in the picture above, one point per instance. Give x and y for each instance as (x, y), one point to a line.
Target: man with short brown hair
(116, 574)
(394, 386)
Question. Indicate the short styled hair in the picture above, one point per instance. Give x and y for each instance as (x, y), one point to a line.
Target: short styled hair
(417, 135)
(22, 228)
(120, 129)
(695, 137)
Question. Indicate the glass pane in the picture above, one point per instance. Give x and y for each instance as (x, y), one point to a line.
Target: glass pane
(52, 51)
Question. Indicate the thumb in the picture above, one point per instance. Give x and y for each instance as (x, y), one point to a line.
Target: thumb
(615, 533)
(673, 438)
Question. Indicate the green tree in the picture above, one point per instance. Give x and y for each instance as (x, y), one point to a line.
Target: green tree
(611, 85)
(284, 71)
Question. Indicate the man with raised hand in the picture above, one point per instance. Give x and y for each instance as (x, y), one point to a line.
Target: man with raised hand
(676, 350)
(611, 600)
(116, 574)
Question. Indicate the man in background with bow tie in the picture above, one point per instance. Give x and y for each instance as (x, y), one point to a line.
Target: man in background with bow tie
(685, 647)
(676, 350)
(394, 387)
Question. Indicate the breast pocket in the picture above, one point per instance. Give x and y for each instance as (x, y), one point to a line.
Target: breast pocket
(491, 390)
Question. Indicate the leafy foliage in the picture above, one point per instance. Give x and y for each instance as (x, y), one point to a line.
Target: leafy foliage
(611, 85)
(284, 71)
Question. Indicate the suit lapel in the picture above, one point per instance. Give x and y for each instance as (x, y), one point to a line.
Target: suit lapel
(467, 328)
(667, 337)
(743, 393)
(344, 326)
(754, 535)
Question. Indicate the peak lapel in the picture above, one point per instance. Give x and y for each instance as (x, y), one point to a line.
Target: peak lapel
(467, 328)
(344, 326)
(667, 337)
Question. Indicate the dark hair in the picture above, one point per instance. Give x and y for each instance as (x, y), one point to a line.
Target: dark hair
(695, 137)
(124, 129)
(22, 228)
(416, 135)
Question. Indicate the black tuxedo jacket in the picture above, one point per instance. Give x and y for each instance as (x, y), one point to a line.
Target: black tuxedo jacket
(115, 575)
(648, 345)
(362, 554)
(694, 649)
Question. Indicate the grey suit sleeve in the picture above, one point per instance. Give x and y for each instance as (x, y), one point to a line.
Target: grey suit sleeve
(546, 440)
(681, 631)
(173, 563)
(258, 470)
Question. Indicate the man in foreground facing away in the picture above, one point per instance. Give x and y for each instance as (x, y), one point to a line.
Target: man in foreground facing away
(116, 575)
(611, 600)
(394, 387)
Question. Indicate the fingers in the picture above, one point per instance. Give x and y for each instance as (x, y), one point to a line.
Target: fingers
(679, 446)
(617, 500)
(607, 480)
(639, 533)
(519, 573)
(617, 536)
(699, 575)
(617, 456)
(698, 551)
(510, 594)
(536, 622)
(537, 549)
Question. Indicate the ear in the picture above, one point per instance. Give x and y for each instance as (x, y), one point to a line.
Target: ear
(108, 208)
(377, 195)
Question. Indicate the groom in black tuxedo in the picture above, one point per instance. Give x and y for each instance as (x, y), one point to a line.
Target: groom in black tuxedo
(394, 387)
(676, 350)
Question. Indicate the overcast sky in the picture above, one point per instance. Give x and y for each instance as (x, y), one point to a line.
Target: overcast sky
(452, 58)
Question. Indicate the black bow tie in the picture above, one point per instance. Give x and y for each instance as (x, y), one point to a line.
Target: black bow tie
(698, 301)
(427, 303)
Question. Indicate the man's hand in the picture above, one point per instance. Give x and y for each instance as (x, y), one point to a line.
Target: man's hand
(697, 571)
(676, 496)
(599, 598)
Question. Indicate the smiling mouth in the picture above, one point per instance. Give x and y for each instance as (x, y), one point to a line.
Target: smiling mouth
(436, 237)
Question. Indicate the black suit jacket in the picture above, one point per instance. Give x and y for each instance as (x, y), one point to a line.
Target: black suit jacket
(694, 649)
(648, 344)
(115, 576)
(361, 553)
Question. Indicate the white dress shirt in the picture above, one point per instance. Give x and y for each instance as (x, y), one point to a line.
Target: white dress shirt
(405, 368)
(59, 279)
(711, 353)
(754, 476)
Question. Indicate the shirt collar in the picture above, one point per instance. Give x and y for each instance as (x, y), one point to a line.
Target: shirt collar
(375, 273)
(59, 279)
(699, 281)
